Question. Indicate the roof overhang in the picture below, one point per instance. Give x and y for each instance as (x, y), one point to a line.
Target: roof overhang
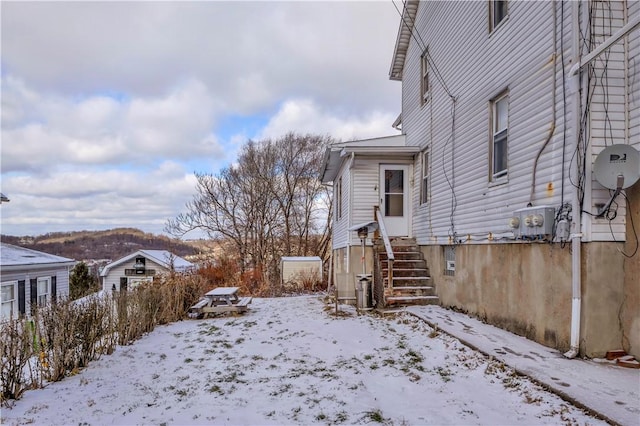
(38, 266)
(403, 39)
(388, 147)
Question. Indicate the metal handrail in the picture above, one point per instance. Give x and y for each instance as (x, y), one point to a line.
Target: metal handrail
(387, 246)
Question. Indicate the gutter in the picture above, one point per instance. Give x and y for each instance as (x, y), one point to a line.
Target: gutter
(576, 235)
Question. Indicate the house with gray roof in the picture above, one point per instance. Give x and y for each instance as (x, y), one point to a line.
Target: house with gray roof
(141, 266)
(30, 278)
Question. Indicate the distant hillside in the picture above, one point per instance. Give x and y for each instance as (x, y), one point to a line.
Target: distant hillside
(111, 244)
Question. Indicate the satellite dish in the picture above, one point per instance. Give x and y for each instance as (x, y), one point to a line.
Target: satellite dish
(617, 166)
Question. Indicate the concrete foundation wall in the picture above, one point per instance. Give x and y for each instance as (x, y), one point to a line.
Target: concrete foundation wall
(526, 289)
(630, 314)
(346, 280)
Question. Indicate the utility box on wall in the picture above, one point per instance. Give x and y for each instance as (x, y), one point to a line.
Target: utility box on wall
(533, 222)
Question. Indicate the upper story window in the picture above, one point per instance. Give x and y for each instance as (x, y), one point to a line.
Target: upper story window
(338, 194)
(424, 78)
(499, 134)
(497, 13)
(424, 182)
(9, 297)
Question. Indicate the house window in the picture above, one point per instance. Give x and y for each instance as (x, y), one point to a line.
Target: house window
(424, 182)
(339, 198)
(424, 78)
(497, 13)
(499, 132)
(44, 288)
(9, 297)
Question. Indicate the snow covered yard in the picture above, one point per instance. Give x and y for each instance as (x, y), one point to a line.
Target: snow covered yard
(289, 361)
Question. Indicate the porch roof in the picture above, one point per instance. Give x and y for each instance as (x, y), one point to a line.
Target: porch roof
(389, 147)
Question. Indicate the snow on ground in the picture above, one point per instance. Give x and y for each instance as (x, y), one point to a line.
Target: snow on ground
(289, 361)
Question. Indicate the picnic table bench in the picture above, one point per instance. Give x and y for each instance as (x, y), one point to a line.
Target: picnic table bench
(220, 300)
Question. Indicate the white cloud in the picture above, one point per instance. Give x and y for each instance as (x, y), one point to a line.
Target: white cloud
(305, 116)
(97, 199)
(47, 130)
(106, 105)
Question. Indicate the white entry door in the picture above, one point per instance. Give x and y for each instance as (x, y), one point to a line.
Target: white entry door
(394, 198)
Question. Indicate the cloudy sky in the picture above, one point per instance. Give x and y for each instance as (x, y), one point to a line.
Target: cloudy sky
(108, 108)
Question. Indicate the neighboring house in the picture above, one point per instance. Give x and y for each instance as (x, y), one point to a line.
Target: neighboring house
(141, 266)
(492, 179)
(31, 278)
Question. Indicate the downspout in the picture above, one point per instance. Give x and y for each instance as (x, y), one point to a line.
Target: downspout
(576, 236)
(552, 129)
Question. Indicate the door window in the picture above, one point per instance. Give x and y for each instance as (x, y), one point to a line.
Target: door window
(394, 193)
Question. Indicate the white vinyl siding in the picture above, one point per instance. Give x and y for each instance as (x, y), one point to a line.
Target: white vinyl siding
(633, 92)
(608, 116)
(520, 60)
(366, 194)
(26, 275)
(340, 227)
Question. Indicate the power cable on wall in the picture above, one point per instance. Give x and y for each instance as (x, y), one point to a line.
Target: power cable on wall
(415, 34)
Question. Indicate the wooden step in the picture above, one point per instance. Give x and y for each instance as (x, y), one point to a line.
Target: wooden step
(413, 300)
(412, 287)
(409, 279)
(414, 272)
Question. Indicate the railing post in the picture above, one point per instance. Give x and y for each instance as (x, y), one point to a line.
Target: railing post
(390, 256)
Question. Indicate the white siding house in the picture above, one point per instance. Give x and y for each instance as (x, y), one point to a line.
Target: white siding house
(30, 278)
(504, 111)
(357, 170)
(141, 266)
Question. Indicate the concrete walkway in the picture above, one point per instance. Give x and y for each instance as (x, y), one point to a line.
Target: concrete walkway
(610, 391)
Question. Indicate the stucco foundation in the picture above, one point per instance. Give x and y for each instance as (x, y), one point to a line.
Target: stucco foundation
(526, 288)
(630, 313)
(346, 276)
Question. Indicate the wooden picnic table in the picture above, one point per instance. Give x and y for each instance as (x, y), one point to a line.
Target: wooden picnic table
(220, 300)
(223, 296)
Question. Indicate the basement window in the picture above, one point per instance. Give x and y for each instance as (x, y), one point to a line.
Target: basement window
(449, 255)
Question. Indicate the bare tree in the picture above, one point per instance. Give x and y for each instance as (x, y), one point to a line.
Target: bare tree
(267, 205)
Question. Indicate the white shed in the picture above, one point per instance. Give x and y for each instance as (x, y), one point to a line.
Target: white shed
(295, 267)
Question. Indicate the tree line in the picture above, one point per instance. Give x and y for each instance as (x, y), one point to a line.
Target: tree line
(268, 205)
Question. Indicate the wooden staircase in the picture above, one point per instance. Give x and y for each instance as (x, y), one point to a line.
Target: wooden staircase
(411, 281)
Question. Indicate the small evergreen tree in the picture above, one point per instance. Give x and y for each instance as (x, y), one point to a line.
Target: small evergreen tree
(81, 282)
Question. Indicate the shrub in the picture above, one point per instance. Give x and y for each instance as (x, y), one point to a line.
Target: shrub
(63, 337)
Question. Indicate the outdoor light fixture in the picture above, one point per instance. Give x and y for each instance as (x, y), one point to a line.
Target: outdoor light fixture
(363, 232)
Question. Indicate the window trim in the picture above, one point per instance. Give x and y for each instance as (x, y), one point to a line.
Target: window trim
(498, 136)
(40, 294)
(339, 199)
(425, 176)
(425, 88)
(14, 302)
(493, 25)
